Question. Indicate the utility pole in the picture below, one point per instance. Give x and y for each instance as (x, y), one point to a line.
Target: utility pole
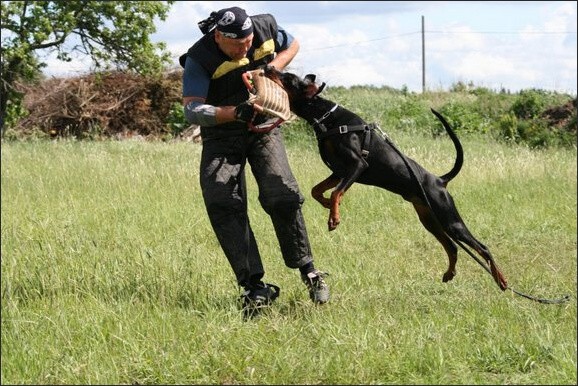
(422, 55)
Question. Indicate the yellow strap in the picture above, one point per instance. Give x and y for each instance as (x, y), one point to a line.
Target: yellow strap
(229, 66)
(267, 48)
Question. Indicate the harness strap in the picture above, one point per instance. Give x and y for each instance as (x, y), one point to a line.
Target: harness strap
(344, 129)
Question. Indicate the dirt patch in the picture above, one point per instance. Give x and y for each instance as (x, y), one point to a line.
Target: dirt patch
(561, 117)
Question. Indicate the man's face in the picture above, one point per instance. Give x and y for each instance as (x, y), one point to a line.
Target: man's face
(236, 49)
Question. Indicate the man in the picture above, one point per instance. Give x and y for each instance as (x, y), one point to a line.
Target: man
(213, 97)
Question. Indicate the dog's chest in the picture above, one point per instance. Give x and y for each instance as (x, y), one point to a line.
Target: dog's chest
(341, 151)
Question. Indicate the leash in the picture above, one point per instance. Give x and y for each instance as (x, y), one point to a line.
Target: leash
(563, 299)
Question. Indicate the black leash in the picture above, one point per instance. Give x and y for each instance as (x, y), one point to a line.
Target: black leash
(563, 299)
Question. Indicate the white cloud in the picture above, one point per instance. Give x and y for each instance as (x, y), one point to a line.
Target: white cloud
(492, 44)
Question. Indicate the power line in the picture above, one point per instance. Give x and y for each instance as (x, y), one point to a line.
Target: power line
(504, 32)
(363, 41)
(443, 33)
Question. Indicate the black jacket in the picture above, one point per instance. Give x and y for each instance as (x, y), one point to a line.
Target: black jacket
(227, 87)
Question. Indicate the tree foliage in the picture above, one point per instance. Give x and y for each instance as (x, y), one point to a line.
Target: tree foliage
(114, 34)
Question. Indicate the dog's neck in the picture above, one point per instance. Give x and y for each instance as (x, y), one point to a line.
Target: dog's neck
(318, 110)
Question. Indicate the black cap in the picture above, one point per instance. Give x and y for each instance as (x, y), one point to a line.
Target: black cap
(234, 23)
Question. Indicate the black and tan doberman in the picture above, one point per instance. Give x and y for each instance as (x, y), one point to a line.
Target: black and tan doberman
(356, 151)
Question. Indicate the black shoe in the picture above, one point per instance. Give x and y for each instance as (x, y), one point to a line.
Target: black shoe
(318, 289)
(258, 298)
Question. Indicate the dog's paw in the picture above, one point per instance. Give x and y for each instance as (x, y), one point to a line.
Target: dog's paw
(448, 275)
(332, 223)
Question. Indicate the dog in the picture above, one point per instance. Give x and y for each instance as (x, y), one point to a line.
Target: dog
(356, 151)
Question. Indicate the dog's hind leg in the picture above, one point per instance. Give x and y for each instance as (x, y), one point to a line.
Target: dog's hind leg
(430, 223)
(460, 232)
(454, 227)
(318, 190)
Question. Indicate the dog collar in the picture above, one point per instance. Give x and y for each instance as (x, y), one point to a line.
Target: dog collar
(318, 121)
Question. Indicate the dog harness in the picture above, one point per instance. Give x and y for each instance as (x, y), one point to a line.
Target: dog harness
(324, 132)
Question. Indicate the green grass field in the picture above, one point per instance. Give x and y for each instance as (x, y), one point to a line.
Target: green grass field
(111, 274)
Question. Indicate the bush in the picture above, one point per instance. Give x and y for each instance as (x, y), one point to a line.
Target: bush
(529, 104)
(120, 105)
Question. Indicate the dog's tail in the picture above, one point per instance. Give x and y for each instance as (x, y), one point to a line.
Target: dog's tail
(459, 150)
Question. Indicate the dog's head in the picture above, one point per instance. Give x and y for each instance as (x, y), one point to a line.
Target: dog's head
(299, 90)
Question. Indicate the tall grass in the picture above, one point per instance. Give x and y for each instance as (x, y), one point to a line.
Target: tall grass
(111, 274)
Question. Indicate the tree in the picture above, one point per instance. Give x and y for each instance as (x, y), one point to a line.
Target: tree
(115, 34)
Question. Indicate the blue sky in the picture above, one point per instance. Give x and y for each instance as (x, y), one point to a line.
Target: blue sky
(494, 44)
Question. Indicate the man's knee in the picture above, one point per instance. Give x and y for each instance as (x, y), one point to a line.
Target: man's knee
(285, 202)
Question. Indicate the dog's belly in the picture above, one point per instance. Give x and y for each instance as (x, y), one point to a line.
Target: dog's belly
(386, 179)
(401, 181)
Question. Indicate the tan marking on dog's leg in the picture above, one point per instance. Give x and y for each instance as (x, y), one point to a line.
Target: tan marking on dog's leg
(498, 276)
(334, 218)
(318, 190)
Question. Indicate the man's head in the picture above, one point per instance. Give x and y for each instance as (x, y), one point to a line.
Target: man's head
(234, 32)
(234, 23)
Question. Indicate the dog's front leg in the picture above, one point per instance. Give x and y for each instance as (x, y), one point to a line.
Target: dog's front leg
(331, 203)
(337, 194)
(334, 216)
(318, 190)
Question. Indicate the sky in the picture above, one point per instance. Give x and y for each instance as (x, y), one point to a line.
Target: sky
(493, 44)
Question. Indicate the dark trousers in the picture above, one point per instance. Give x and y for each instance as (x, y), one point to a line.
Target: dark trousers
(222, 178)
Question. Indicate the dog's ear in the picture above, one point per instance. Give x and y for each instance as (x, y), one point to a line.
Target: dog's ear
(310, 90)
(313, 89)
(310, 78)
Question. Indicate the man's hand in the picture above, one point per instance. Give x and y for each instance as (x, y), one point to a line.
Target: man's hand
(261, 118)
(244, 112)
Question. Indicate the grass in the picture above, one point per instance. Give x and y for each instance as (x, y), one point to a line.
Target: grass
(111, 274)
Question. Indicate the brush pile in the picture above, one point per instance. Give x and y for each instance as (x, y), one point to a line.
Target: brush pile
(114, 104)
